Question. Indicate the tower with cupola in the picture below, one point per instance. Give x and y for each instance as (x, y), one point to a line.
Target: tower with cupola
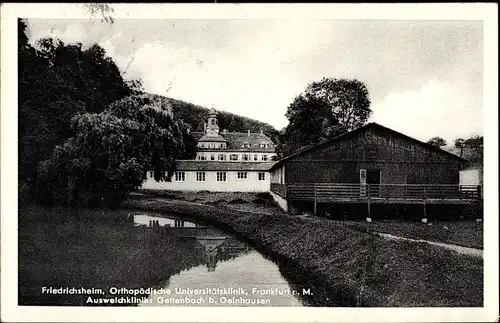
(212, 129)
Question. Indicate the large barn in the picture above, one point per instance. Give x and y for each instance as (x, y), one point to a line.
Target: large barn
(371, 165)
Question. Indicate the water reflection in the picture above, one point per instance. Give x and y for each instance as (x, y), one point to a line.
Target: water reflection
(149, 220)
(211, 250)
(242, 276)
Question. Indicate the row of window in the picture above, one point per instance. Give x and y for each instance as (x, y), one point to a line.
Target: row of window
(212, 145)
(234, 157)
(223, 145)
(261, 145)
(221, 176)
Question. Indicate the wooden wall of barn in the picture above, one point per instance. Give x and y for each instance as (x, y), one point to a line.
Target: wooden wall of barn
(399, 159)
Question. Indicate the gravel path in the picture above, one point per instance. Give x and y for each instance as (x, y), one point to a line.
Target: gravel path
(463, 250)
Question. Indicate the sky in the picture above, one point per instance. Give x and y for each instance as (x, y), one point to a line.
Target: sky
(425, 78)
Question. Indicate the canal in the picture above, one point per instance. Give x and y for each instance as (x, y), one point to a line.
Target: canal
(228, 272)
(128, 258)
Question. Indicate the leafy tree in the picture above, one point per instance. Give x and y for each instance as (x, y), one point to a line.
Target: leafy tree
(56, 82)
(326, 109)
(102, 9)
(459, 143)
(437, 142)
(471, 149)
(111, 152)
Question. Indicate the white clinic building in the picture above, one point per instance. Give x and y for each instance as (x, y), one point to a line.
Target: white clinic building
(225, 162)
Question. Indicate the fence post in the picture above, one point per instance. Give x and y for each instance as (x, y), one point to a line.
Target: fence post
(368, 187)
(424, 219)
(315, 199)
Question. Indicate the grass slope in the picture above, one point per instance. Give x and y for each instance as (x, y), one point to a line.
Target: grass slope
(360, 269)
(462, 233)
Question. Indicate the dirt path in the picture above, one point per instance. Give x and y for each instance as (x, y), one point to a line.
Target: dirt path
(463, 250)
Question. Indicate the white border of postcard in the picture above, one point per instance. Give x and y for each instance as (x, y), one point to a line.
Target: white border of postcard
(10, 311)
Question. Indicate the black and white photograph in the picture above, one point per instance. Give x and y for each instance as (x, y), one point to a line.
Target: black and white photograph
(248, 159)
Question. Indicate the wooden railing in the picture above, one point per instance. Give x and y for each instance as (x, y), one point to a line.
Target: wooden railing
(336, 191)
(279, 189)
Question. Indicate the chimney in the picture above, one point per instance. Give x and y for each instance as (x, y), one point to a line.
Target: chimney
(248, 133)
(261, 131)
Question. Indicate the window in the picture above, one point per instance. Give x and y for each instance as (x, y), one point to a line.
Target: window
(221, 176)
(262, 176)
(151, 174)
(180, 176)
(233, 157)
(201, 146)
(246, 145)
(246, 157)
(255, 157)
(263, 145)
(200, 176)
(264, 157)
(222, 157)
(242, 175)
(203, 157)
(212, 157)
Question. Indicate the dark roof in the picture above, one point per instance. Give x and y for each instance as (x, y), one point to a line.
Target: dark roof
(201, 165)
(237, 150)
(218, 138)
(473, 167)
(358, 130)
(235, 141)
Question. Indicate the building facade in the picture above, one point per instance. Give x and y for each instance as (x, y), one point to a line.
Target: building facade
(371, 165)
(225, 162)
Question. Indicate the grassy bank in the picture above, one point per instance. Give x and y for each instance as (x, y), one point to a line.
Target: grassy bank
(462, 233)
(359, 269)
(243, 201)
(60, 247)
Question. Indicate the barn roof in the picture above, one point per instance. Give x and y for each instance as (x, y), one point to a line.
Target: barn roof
(197, 165)
(361, 129)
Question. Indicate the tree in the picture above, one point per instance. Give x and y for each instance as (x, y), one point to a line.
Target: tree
(471, 148)
(56, 82)
(111, 152)
(326, 109)
(459, 143)
(474, 147)
(102, 9)
(437, 142)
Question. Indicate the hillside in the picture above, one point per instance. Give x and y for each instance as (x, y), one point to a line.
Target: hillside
(196, 115)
